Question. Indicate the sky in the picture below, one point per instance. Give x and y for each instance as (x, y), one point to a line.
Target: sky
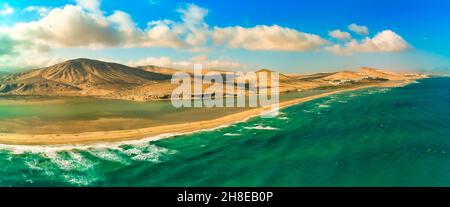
(288, 36)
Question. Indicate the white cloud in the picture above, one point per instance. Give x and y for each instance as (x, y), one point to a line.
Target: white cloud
(27, 60)
(164, 61)
(340, 35)
(6, 9)
(264, 37)
(92, 5)
(385, 41)
(193, 22)
(40, 10)
(82, 26)
(358, 29)
(69, 26)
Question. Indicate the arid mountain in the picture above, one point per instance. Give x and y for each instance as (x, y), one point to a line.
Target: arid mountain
(376, 73)
(345, 75)
(160, 70)
(85, 77)
(79, 76)
(281, 76)
(170, 71)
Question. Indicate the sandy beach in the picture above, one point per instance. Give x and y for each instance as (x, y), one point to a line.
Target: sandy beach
(159, 132)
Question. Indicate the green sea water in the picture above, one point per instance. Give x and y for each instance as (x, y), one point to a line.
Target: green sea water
(372, 137)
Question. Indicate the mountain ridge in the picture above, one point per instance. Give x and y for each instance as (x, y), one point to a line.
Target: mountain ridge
(87, 77)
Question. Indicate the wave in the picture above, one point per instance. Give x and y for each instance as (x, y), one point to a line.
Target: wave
(33, 164)
(151, 153)
(232, 134)
(378, 90)
(79, 168)
(283, 118)
(69, 162)
(106, 154)
(259, 127)
(323, 105)
(79, 180)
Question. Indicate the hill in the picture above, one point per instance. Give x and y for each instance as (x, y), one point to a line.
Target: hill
(79, 76)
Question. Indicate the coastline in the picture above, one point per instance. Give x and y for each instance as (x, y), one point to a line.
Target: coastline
(166, 131)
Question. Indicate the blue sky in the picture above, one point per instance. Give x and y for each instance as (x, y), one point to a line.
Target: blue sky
(290, 36)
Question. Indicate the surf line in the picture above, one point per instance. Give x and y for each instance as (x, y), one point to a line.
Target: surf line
(194, 197)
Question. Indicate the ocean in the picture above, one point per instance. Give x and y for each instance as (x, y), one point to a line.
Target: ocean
(370, 137)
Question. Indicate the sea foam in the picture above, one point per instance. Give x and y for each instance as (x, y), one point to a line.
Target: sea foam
(259, 127)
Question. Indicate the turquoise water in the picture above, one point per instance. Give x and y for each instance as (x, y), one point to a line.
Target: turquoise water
(371, 137)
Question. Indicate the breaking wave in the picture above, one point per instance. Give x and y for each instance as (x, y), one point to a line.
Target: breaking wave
(260, 127)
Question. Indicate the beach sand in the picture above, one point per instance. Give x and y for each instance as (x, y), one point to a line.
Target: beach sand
(158, 132)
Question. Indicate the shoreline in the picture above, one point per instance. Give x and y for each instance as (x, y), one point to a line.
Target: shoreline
(166, 131)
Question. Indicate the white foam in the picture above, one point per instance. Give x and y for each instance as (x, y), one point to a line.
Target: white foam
(43, 149)
(146, 157)
(384, 90)
(60, 162)
(270, 113)
(106, 154)
(33, 164)
(74, 162)
(232, 134)
(79, 180)
(323, 105)
(132, 151)
(150, 153)
(259, 127)
(81, 161)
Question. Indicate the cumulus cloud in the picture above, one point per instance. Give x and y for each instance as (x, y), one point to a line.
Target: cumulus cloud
(193, 19)
(69, 27)
(27, 59)
(358, 29)
(72, 26)
(6, 9)
(385, 41)
(263, 37)
(83, 26)
(6, 45)
(164, 61)
(340, 35)
(92, 5)
(40, 10)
